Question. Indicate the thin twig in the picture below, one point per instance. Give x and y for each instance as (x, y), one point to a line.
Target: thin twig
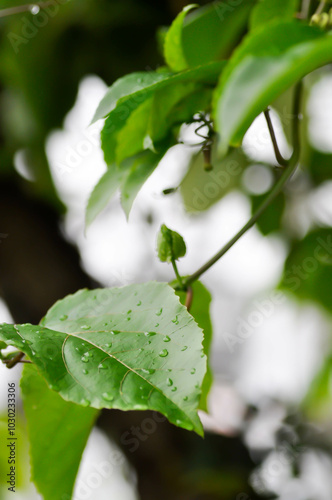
(189, 297)
(18, 359)
(177, 274)
(280, 159)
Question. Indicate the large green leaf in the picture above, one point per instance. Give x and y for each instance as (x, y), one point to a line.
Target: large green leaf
(211, 32)
(200, 310)
(127, 93)
(308, 268)
(58, 431)
(173, 50)
(129, 348)
(270, 10)
(265, 65)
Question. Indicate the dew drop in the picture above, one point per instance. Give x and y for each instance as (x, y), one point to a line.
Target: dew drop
(163, 353)
(108, 396)
(109, 345)
(175, 320)
(169, 382)
(84, 402)
(85, 327)
(84, 359)
(150, 334)
(159, 313)
(128, 319)
(193, 371)
(102, 366)
(141, 349)
(34, 9)
(53, 387)
(185, 398)
(115, 332)
(85, 372)
(156, 325)
(105, 324)
(184, 348)
(64, 317)
(149, 342)
(139, 303)
(197, 386)
(149, 371)
(128, 312)
(202, 355)
(174, 389)
(166, 339)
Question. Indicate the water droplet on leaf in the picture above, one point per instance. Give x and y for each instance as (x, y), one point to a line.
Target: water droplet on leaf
(159, 313)
(193, 371)
(149, 334)
(85, 327)
(184, 348)
(169, 382)
(163, 353)
(63, 317)
(108, 396)
(166, 339)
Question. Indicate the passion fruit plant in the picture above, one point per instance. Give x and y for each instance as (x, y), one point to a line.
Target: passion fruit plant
(146, 346)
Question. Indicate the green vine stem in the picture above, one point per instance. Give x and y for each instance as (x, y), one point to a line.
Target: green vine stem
(177, 274)
(287, 173)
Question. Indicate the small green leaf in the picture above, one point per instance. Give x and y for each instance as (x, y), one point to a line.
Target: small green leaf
(104, 191)
(211, 32)
(118, 348)
(173, 50)
(271, 219)
(58, 432)
(317, 403)
(270, 10)
(170, 245)
(200, 311)
(163, 111)
(3, 345)
(263, 67)
(128, 85)
(130, 140)
(140, 167)
(127, 93)
(308, 268)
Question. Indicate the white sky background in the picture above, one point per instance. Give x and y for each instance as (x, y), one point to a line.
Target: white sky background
(269, 363)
